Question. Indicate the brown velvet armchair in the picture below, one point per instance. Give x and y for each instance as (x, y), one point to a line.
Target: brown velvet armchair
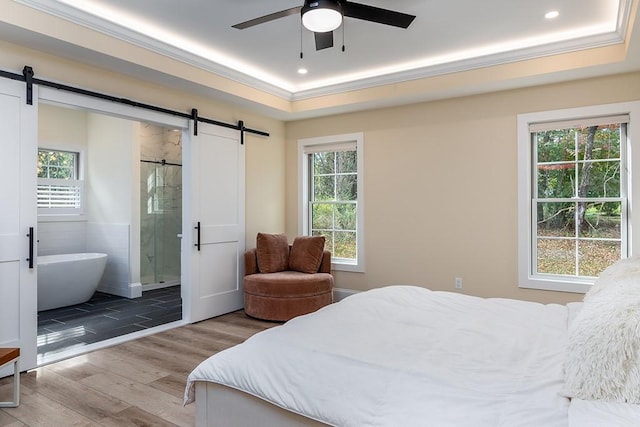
(283, 281)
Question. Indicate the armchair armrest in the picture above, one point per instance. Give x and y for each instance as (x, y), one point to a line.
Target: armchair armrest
(250, 262)
(325, 265)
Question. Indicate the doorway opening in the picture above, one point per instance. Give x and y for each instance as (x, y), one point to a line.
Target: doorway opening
(129, 207)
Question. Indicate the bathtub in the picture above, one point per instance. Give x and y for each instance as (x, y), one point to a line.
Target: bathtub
(68, 279)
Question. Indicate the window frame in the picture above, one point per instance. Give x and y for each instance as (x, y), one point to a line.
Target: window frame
(65, 214)
(526, 244)
(319, 144)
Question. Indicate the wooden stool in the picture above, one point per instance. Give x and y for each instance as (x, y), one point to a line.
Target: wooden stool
(9, 355)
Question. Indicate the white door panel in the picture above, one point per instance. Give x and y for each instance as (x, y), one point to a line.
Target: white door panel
(219, 277)
(219, 233)
(9, 245)
(10, 313)
(18, 282)
(218, 165)
(215, 171)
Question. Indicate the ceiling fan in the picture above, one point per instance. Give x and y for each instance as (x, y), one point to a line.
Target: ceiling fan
(324, 16)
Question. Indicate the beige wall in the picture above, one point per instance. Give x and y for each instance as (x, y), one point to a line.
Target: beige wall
(60, 127)
(448, 158)
(264, 156)
(429, 170)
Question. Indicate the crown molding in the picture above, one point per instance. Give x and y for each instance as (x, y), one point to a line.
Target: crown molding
(614, 37)
(80, 17)
(584, 43)
(289, 93)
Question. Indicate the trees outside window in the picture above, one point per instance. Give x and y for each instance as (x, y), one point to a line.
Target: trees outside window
(57, 164)
(574, 196)
(334, 200)
(59, 187)
(331, 196)
(578, 200)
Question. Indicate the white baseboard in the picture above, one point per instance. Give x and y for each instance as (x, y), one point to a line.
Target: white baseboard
(133, 291)
(152, 286)
(340, 293)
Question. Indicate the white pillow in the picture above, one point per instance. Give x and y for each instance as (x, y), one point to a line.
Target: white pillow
(603, 355)
(621, 271)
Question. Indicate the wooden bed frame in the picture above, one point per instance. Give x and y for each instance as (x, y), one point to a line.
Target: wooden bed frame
(221, 406)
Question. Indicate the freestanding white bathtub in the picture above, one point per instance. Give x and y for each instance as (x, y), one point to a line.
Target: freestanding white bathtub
(68, 279)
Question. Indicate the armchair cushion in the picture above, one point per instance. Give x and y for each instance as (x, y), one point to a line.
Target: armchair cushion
(306, 254)
(287, 294)
(272, 252)
(288, 284)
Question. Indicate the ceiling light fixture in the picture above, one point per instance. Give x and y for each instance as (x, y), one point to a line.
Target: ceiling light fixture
(551, 15)
(321, 16)
(302, 70)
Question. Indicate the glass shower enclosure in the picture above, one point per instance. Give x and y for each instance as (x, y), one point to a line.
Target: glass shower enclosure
(160, 223)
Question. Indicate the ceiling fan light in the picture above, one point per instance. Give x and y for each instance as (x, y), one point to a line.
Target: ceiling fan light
(321, 17)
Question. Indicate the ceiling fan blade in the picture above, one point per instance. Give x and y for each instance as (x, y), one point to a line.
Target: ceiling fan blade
(267, 18)
(324, 40)
(376, 14)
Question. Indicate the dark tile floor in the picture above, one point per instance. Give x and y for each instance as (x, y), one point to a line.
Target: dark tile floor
(105, 316)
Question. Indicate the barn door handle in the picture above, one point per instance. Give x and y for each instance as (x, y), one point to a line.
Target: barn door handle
(197, 245)
(31, 239)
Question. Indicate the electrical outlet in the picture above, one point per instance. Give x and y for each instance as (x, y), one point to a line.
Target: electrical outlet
(458, 283)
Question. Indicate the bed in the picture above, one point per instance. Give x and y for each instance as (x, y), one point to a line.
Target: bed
(405, 355)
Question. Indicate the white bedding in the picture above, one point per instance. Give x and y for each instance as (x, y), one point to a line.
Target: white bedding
(597, 413)
(404, 355)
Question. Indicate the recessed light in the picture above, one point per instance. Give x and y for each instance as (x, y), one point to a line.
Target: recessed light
(551, 15)
(302, 70)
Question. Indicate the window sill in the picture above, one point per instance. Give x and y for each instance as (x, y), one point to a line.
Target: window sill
(553, 284)
(347, 266)
(62, 218)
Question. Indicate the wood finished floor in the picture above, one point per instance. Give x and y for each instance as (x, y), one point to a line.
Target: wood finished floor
(137, 383)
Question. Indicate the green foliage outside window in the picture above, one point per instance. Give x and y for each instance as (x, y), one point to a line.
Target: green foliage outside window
(57, 164)
(333, 204)
(578, 205)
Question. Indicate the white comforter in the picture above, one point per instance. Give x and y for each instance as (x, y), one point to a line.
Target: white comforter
(403, 356)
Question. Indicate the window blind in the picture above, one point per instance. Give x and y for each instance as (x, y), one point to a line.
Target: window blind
(59, 196)
(578, 123)
(322, 148)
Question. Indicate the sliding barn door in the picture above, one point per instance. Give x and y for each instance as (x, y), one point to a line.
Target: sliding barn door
(18, 215)
(215, 244)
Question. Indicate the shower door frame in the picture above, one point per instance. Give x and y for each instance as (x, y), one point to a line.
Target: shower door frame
(157, 283)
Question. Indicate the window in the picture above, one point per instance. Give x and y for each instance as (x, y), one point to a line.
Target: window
(331, 195)
(59, 187)
(573, 201)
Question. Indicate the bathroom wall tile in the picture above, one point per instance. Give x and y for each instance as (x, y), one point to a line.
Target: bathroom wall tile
(61, 237)
(157, 143)
(112, 239)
